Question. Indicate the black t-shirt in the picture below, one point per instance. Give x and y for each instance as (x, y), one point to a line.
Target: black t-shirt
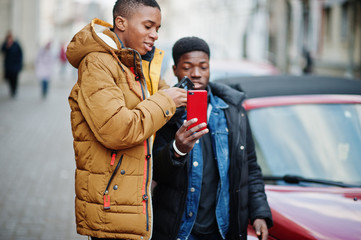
(206, 222)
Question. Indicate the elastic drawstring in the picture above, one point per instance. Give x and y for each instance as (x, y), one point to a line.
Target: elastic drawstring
(126, 75)
(116, 57)
(135, 67)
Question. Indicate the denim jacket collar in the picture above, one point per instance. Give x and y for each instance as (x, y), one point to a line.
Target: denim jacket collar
(216, 102)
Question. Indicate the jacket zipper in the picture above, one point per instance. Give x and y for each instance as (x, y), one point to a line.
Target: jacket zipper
(106, 196)
(146, 171)
(145, 196)
(232, 154)
(145, 182)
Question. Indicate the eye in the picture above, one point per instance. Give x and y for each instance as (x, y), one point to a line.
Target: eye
(148, 27)
(205, 67)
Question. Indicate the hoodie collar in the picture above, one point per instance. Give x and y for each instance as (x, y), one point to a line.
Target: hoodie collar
(121, 43)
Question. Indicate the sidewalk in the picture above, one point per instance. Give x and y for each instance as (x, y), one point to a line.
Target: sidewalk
(37, 163)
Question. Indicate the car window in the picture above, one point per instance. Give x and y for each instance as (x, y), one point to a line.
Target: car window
(311, 140)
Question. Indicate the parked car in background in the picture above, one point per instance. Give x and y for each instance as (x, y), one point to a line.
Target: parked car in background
(224, 69)
(307, 132)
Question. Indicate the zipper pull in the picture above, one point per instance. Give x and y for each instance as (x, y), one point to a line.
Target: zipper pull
(114, 154)
(106, 199)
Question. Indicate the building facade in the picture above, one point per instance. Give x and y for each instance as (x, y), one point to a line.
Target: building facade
(296, 36)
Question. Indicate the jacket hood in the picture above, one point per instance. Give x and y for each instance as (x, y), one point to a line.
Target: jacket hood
(228, 94)
(94, 37)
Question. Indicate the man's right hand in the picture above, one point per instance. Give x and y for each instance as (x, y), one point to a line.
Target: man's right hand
(185, 139)
(178, 95)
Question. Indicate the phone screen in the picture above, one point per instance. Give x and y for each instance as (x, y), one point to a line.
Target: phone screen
(197, 106)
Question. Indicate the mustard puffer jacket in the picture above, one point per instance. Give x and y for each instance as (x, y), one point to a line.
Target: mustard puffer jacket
(112, 128)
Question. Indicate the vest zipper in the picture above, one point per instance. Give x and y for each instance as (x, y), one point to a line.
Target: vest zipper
(106, 196)
(150, 79)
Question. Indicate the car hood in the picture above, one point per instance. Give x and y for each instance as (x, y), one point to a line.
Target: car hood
(315, 213)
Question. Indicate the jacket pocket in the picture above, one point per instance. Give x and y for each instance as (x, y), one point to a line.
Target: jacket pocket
(125, 187)
(106, 196)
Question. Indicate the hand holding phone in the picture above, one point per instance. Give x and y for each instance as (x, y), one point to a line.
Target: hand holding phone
(197, 106)
(185, 83)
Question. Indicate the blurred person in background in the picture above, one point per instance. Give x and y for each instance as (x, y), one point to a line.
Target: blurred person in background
(209, 184)
(63, 59)
(13, 62)
(307, 61)
(44, 67)
(116, 108)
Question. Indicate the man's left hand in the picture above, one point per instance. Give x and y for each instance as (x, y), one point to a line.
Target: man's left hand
(260, 227)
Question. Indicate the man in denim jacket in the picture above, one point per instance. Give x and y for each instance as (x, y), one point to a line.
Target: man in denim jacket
(209, 185)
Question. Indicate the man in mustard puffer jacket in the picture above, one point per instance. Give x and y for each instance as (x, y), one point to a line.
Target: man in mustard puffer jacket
(115, 110)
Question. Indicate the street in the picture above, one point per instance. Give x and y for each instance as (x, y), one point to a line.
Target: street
(37, 163)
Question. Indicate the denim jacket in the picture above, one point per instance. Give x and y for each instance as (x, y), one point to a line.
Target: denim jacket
(217, 125)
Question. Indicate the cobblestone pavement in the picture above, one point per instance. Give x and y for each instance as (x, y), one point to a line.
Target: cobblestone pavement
(37, 164)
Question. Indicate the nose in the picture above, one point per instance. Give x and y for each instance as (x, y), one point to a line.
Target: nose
(196, 73)
(154, 35)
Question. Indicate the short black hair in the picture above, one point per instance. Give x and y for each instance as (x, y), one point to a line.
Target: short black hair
(189, 44)
(125, 8)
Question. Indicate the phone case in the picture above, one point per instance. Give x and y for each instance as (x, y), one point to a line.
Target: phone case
(197, 106)
(185, 83)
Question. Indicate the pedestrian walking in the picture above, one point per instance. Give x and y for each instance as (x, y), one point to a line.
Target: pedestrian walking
(13, 62)
(116, 108)
(44, 67)
(62, 58)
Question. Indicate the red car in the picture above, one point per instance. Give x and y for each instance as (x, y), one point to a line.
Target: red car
(307, 132)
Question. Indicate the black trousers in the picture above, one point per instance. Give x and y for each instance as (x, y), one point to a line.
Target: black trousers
(12, 79)
(211, 236)
(94, 238)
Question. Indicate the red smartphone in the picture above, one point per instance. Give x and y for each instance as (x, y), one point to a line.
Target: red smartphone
(197, 106)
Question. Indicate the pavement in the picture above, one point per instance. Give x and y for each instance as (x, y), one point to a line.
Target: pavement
(37, 162)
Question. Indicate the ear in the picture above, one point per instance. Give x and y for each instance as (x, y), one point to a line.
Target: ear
(120, 23)
(174, 69)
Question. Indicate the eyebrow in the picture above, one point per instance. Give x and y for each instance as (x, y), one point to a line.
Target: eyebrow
(188, 62)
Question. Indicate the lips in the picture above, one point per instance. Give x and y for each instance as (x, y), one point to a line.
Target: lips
(148, 46)
(197, 85)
